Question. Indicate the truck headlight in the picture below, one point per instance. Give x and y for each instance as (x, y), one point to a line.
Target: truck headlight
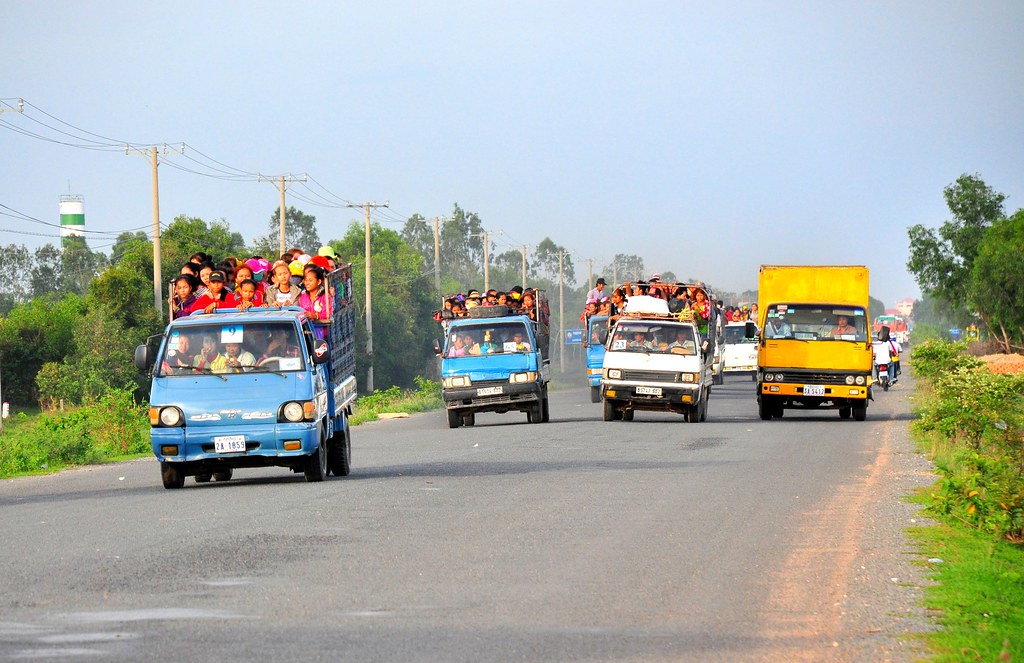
(860, 379)
(613, 373)
(528, 376)
(688, 377)
(298, 410)
(456, 381)
(768, 377)
(167, 417)
(849, 379)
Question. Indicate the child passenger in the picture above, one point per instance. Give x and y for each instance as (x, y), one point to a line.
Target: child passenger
(244, 296)
(184, 300)
(282, 292)
(314, 298)
(216, 294)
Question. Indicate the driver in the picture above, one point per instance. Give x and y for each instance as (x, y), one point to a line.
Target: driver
(843, 327)
(233, 359)
(278, 345)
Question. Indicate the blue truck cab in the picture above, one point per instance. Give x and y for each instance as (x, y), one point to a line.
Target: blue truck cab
(496, 360)
(597, 329)
(264, 387)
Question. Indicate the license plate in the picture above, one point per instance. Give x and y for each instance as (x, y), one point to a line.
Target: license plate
(226, 444)
(648, 391)
(489, 391)
(814, 390)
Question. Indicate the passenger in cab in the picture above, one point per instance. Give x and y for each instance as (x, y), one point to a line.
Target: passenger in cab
(843, 327)
(683, 343)
(234, 359)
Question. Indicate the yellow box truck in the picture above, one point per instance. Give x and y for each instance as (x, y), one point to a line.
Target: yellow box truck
(814, 344)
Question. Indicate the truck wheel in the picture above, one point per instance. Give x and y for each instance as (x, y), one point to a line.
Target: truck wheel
(546, 405)
(704, 408)
(609, 411)
(860, 412)
(315, 465)
(339, 454)
(595, 394)
(844, 413)
(223, 475)
(535, 414)
(454, 420)
(204, 477)
(172, 475)
(764, 409)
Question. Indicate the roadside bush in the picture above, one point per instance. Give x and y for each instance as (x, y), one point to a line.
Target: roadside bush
(107, 428)
(974, 423)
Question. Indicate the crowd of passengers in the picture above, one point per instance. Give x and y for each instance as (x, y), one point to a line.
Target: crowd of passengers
(683, 300)
(519, 300)
(295, 279)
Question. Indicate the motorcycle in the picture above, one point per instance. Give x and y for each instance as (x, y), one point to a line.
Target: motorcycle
(883, 376)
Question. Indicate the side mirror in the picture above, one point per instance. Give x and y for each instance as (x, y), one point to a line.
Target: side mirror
(320, 352)
(883, 334)
(750, 330)
(142, 357)
(437, 347)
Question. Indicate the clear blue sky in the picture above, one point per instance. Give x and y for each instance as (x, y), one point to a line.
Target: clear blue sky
(706, 137)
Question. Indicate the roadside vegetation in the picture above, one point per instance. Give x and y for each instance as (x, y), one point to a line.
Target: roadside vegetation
(971, 423)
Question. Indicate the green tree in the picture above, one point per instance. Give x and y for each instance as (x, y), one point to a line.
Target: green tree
(546, 259)
(625, 267)
(299, 231)
(403, 304)
(187, 235)
(462, 247)
(45, 275)
(419, 234)
(79, 265)
(127, 241)
(997, 280)
(941, 261)
(15, 271)
(34, 333)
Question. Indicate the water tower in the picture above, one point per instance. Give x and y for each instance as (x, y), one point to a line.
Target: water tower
(72, 218)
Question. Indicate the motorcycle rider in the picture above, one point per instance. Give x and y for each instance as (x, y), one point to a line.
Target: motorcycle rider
(881, 351)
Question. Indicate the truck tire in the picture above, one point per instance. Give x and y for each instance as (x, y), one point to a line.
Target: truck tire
(204, 477)
(693, 414)
(860, 412)
(595, 394)
(223, 475)
(314, 466)
(704, 407)
(844, 412)
(608, 411)
(172, 475)
(546, 404)
(764, 409)
(339, 454)
(535, 414)
(454, 420)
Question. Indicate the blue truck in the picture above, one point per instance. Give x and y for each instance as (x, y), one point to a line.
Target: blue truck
(264, 387)
(597, 329)
(496, 360)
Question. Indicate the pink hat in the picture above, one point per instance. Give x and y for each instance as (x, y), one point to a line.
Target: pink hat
(304, 258)
(258, 265)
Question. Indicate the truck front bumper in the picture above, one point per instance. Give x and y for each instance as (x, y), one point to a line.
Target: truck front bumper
(671, 396)
(479, 398)
(264, 444)
(834, 395)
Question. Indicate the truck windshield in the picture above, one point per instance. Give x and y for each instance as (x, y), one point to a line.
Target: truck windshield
(653, 337)
(486, 339)
(271, 347)
(816, 322)
(736, 334)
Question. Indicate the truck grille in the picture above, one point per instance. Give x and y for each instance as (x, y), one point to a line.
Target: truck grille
(650, 376)
(814, 378)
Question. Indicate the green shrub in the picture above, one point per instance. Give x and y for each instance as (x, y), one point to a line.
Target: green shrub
(934, 357)
(974, 421)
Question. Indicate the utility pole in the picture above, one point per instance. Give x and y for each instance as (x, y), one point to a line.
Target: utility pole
(154, 161)
(437, 256)
(369, 299)
(282, 181)
(590, 272)
(561, 319)
(12, 109)
(487, 265)
(524, 266)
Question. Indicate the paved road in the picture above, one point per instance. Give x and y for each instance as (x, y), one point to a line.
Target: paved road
(576, 540)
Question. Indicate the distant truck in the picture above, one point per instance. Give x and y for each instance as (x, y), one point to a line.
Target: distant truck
(597, 329)
(659, 361)
(280, 395)
(496, 360)
(739, 354)
(814, 342)
(897, 327)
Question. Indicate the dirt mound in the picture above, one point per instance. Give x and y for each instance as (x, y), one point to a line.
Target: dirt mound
(1004, 364)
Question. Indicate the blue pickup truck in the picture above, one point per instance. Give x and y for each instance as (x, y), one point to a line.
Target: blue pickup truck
(496, 360)
(597, 329)
(264, 387)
